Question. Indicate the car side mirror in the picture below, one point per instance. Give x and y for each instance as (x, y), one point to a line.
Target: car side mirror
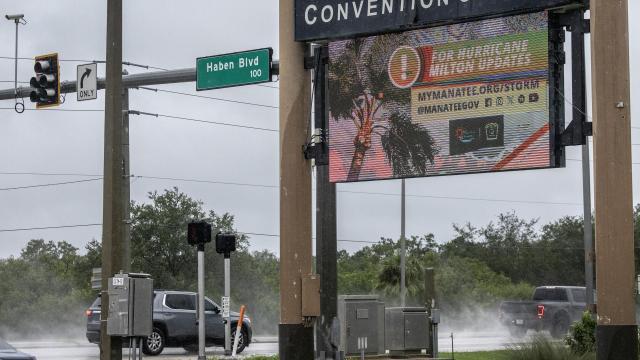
(217, 310)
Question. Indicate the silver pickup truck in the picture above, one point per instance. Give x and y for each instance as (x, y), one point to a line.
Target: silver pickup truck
(552, 308)
(174, 323)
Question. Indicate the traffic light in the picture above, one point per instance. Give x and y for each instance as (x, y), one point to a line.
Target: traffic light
(46, 84)
(199, 233)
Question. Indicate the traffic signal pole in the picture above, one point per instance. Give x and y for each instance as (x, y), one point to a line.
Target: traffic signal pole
(114, 249)
(616, 333)
(295, 339)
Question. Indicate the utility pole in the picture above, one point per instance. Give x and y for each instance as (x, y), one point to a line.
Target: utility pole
(326, 236)
(616, 332)
(403, 249)
(113, 247)
(295, 339)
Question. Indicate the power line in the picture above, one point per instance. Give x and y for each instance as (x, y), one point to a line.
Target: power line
(47, 174)
(206, 97)
(135, 112)
(49, 185)
(128, 63)
(369, 193)
(463, 198)
(204, 181)
(50, 227)
(218, 182)
(57, 109)
(100, 224)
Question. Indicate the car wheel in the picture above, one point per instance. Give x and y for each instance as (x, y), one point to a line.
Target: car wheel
(241, 339)
(154, 343)
(560, 327)
(517, 331)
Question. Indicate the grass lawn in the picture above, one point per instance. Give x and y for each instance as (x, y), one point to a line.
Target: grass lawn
(481, 355)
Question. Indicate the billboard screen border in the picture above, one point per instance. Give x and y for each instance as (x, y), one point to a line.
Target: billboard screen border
(557, 153)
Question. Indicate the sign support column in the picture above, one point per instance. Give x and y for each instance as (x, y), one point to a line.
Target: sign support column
(295, 339)
(327, 340)
(616, 333)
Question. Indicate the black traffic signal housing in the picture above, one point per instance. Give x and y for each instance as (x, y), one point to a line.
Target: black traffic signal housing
(225, 244)
(199, 233)
(46, 84)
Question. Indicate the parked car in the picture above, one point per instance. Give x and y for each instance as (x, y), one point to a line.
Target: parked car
(8, 352)
(553, 308)
(174, 323)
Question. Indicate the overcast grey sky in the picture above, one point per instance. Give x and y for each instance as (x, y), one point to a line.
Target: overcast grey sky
(172, 34)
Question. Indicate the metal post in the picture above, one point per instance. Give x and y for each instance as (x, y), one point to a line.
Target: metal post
(616, 333)
(113, 248)
(453, 356)
(588, 230)
(294, 338)
(429, 298)
(126, 177)
(201, 316)
(16, 64)
(18, 19)
(435, 341)
(403, 250)
(326, 237)
(579, 95)
(227, 294)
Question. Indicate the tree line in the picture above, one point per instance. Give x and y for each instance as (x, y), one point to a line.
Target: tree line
(47, 287)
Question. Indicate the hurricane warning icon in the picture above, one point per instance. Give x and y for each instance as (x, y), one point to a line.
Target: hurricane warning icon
(404, 67)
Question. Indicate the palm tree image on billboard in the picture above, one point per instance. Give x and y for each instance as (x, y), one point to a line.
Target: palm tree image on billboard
(457, 99)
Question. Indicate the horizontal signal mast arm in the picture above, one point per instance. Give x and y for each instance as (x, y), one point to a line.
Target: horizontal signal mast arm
(128, 81)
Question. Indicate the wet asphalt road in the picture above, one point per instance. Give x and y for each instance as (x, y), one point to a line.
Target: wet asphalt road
(81, 350)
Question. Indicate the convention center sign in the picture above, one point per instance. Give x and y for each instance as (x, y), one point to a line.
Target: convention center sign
(334, 19)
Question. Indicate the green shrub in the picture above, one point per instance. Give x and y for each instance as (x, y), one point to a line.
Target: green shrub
(582, 336)
(542, 348)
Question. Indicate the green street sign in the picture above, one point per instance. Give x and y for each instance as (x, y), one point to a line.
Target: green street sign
(235, 69)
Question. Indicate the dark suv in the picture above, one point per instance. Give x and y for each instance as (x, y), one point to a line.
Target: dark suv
(174, 323)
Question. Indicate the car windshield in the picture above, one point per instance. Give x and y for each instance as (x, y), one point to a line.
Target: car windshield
(5, 347)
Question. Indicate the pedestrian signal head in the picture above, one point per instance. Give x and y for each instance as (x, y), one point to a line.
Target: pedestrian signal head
(198, 233)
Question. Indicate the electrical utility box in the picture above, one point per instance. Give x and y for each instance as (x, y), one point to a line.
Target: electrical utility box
(361, 322)
(130, 305)
(407, 330)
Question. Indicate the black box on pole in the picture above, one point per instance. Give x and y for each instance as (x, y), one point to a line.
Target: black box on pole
(198, 233)
(225, 243)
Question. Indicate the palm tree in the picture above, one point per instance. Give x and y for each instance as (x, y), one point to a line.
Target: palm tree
(360, 91)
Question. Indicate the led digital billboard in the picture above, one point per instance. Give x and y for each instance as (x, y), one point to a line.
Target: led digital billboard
(457, 99)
